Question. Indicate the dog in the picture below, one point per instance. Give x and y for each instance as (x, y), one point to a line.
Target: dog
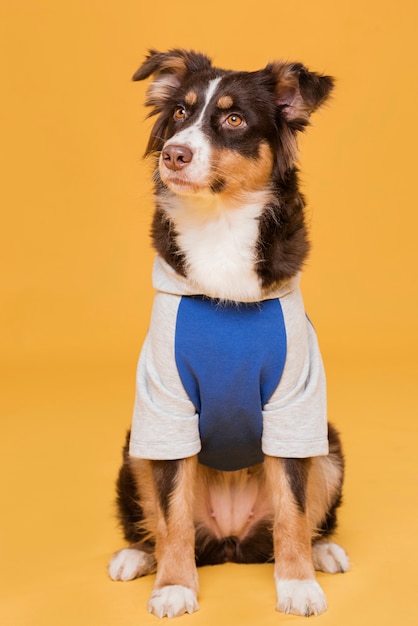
(230, 456)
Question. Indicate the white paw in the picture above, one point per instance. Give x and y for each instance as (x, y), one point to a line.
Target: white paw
(300, 597)
(172, 601)
(330, 557)
(129, 563)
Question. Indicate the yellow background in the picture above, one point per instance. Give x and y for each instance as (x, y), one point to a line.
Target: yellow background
(76, 294)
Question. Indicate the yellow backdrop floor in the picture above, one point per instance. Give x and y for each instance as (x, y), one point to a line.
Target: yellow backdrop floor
(60, 454)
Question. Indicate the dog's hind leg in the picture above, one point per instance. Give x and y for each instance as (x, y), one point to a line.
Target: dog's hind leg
(176, 584)
(138, 559)
(324, 496)
(297, 589)
(130, 563)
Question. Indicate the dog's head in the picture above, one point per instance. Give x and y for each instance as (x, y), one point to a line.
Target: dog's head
(222, 131)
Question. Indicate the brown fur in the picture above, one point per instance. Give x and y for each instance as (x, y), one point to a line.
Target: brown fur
(177, 514)
(225, 102)
(191, 98)
(190, 515)
(291, 532)
(238, 172)
(263, 493)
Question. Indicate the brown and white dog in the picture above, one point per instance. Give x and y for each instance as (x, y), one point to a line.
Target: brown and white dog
(230, 236)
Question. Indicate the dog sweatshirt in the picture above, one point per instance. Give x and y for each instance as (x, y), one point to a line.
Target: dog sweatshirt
(228, 381)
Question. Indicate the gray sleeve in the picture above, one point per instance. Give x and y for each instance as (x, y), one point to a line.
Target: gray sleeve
(295, 417)
(165, 422)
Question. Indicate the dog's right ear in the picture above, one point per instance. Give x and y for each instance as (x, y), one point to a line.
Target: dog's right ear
(299, 92)
(168, 69)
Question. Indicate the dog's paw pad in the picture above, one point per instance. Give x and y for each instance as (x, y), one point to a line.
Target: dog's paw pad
(129, 563)
(330, 557)
(300, 597)
(172, 601)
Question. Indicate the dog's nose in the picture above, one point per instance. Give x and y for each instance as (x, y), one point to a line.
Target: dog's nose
(177, 157)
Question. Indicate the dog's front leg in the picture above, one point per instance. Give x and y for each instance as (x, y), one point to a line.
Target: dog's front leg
(297, 589)
(176, 583)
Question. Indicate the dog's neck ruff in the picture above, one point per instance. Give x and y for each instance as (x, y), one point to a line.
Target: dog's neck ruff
(166, 280)
(218, 238)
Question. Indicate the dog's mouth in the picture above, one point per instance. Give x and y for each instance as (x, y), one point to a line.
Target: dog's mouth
(182, 185)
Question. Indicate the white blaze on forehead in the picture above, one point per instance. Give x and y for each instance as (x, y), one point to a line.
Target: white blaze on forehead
(213, 84)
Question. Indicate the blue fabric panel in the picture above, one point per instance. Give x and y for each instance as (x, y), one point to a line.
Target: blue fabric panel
(230, 358)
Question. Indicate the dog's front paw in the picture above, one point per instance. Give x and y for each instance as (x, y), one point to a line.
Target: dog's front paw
(300, 597)
(130, 563)
(330, 557)
(172, 601)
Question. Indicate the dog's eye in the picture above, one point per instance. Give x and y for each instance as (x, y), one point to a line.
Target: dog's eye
(235, 120)
(180, 113)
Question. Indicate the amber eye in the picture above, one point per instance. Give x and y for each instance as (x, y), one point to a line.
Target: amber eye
(235, 120)
(180, 113)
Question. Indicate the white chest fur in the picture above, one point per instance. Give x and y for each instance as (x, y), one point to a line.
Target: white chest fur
(218, 239)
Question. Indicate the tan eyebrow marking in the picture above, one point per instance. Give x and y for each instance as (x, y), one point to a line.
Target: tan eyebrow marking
(225, 102)
(191, 98)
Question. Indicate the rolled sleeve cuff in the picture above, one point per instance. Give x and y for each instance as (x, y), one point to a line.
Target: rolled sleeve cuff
(295, 449)
(165, 439)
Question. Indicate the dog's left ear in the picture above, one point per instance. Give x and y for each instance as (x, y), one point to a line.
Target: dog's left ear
(298, 91)
(168, 70)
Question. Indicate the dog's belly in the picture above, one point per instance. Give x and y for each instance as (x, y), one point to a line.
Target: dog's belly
(231, 504)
